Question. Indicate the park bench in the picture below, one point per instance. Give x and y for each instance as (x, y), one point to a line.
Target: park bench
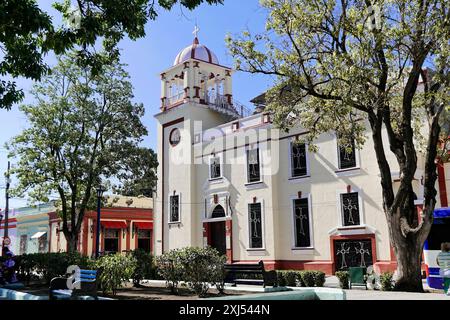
(357, 276)
(87, 280)
(250, 274)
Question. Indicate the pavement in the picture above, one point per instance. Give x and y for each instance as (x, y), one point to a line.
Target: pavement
(363, 294)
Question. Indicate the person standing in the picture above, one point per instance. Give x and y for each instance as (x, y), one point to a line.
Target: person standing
(443, 260)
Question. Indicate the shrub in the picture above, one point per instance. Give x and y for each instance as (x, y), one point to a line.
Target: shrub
(46, 266)
(343, 278)
(291, 278)
(281, 280)
(218, 273)
(114, 269)
(319, 278)
(202, 266)
(170, 268)
(145, 268)
(307, 278)
(198, 267)
(302, 278)
(386, 281)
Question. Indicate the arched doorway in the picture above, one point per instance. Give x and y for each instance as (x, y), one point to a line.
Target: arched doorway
(217, 230)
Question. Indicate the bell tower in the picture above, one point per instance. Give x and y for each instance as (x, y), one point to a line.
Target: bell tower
(195, 91)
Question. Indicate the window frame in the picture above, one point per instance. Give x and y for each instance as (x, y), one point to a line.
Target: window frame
(291, 176)
(249, 247)
(341, 211)
(310, 223)
(118, 238)
(247, 150)
(338, 154)
(211, 157)
(170, 208)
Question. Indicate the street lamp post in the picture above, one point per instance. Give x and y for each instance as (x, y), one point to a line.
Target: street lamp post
(100, 191)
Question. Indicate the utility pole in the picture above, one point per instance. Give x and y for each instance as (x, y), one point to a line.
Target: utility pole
(5, 235)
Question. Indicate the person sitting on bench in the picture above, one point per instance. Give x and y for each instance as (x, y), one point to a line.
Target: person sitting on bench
(8, 273)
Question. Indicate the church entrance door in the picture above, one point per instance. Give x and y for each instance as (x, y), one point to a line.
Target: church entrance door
(218, 238)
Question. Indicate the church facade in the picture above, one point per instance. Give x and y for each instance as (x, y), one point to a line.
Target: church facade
(229, 179)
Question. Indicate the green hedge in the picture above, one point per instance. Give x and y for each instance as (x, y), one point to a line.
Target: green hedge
(114, 270)
(146, 266)
(300, 278)
(343, 277)
(46, 266)
(386, 280)
(199, 267)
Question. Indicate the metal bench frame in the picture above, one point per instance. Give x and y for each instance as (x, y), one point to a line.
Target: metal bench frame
(269, 278)
(87, 282)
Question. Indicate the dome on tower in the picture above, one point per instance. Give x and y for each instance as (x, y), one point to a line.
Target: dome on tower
(196, 51)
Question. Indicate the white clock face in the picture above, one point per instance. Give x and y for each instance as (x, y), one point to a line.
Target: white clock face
(174, 137)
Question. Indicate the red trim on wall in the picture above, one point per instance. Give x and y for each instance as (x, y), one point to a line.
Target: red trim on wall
(207, 233)
(229, 233)
(85, 236)
(442, 186)
(128, 235)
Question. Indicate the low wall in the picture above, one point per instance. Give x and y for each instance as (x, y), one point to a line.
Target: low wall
(292, 294)
(8, 294)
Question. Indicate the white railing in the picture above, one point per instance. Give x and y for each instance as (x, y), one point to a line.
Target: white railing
(175, 98)
(217, 102)
(221, 104)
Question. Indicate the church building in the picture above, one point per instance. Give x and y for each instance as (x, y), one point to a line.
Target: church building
(229, 179)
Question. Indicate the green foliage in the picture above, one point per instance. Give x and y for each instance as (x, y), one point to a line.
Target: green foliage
(46, 266)
(343, 277)
(202, 266)
(325, 80)
(145, 266)
(319, 278)
(114, 269)
(198, 267)
(170, 268)
(84, 129)
(386, 281)
(281, 280)
(141, 178)
(308, 278)
(300, 278)
(291, 278)
(28, 33)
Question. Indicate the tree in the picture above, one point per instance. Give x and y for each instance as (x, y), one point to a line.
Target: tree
(82, 129)
(141, 178)
(344, 65)
(27, 33)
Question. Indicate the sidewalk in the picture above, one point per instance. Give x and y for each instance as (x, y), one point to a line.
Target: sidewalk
(362, 294)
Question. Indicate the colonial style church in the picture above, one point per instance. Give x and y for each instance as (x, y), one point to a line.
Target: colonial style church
(227, 178)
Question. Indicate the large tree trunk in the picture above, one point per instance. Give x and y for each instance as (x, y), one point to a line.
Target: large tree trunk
(408, 275)
(408, 250)
(72, 242)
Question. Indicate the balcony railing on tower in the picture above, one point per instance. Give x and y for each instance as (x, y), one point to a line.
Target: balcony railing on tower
(220, 103)
(215, 102)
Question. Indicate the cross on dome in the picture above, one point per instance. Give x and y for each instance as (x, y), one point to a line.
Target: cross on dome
(196, 30)
(196, 51)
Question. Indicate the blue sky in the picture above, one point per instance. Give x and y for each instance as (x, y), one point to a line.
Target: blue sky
(149, 56)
